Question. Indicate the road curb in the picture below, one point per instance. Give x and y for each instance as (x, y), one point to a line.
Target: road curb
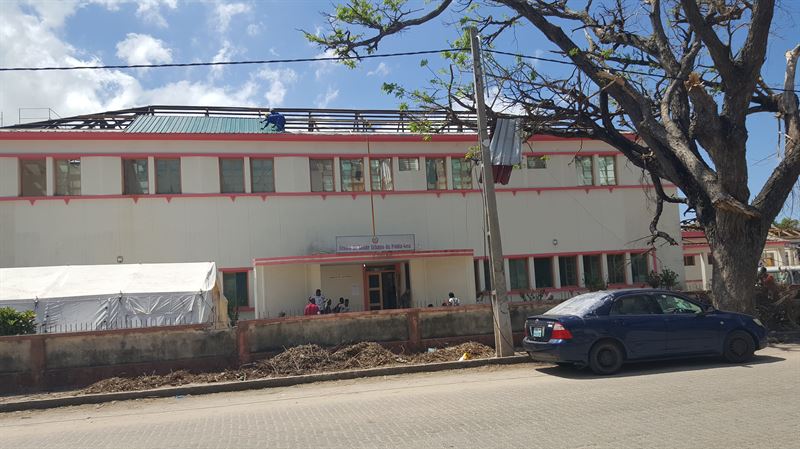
(223, 387)
(785, 336)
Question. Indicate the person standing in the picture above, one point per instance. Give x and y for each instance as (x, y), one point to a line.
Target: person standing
(311, 308)
(340, 306)
(319, 300)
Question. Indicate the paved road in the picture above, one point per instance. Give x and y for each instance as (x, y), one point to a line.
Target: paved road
(696, 404)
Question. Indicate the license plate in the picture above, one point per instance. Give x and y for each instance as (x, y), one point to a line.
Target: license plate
(538, 332)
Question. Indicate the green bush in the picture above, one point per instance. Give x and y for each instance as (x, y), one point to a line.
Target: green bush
(17, 323)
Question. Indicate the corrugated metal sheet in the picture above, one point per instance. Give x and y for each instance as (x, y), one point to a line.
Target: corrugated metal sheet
(203, 125)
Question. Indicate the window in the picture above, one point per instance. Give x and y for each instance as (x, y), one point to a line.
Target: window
(543, 270)
(380, 174)
(710, 259)
(487, 275)
(769, 259)
(321, 175)
(33, 177)
(675, 304)
(436, 174)
(168, 176)
(608, 172)
(616, 268)
(462, 173)
(408, 164)
(636, 305)
(68, 177)
(234, 286)
(688, 261)
(592, 273)
(639, 268)
(584, 166)
(134, 177)
(518, 274)
(568, 270)
(352, 175)
(262, 175)
(537, 162)
(231, 175)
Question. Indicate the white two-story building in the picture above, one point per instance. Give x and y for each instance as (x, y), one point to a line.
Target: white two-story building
(350, 202)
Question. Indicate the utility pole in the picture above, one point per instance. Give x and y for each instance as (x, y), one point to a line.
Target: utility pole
(503, 338)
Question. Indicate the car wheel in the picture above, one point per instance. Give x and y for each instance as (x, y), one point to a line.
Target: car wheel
(606, 357)
(739, 347)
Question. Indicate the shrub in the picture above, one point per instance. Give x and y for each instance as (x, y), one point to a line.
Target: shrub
(17, 323)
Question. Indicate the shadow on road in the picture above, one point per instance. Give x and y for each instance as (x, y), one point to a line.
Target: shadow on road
(659, 367)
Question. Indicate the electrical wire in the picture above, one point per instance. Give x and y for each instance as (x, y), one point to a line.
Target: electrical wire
(324, 59)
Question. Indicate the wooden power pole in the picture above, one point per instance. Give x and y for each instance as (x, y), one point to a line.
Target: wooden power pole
(503, 338)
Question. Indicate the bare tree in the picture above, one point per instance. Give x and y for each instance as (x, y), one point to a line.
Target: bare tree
(683, 76)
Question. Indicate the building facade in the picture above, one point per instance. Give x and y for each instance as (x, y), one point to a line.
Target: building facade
(381, 216)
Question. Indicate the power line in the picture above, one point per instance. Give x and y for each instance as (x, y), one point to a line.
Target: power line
(320, 59)
(222, 63)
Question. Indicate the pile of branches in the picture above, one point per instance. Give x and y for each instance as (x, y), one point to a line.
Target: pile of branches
(777, 307)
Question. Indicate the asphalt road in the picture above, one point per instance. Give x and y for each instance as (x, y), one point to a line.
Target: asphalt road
(690, 404)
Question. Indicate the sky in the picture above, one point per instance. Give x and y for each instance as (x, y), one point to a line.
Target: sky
(106, 32)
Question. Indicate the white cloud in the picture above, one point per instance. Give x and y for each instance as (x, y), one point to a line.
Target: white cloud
(324, 67)
(381, 70)
(143, 49)
(30, 39)
(254, 29)
(150, 11)
(54, 12)
(278, 81)
(225, 53)
(323, 100)
(225, 12)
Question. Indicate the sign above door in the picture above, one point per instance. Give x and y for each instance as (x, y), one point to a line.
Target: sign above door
(375, 243)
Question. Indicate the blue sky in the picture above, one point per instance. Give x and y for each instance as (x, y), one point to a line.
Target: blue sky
(71, 32)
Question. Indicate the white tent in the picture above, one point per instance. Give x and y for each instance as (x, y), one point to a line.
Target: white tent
(94, 297)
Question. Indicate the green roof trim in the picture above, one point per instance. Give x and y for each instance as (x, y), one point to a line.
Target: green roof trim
(165, 124)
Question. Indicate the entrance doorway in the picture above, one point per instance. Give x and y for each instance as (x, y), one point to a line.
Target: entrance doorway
(381, 283)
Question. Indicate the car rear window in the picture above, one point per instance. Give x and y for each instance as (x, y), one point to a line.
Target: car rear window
(579, 305)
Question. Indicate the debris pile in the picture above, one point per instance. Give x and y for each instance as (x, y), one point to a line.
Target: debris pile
(305, 359)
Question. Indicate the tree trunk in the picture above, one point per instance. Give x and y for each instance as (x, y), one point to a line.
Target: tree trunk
(736, 244)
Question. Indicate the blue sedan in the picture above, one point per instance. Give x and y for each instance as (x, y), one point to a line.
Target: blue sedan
(605, 329)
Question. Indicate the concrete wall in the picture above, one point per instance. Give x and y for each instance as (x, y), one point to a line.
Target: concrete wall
(58, 360)
(101, 176)
(344, 281)
(9, 176)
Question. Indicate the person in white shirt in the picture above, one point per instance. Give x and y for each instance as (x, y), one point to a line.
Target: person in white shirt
(319, 300)
(452, 300)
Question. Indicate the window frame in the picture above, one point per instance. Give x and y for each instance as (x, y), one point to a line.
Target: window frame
(611, 271)
(180, 175)
(604, 170)
(686, 258)
(56, 173)
(384, 186)
(43, 161)
(551, 273)
(253, 178)
(438, 182)
(561, 271)
(221, 177)
(351, 176)
(599, 267)
(686, 300)
(248, 306)
(581, 170)
(322, 181)
(634, 295)
(535, 159)
(408, 168)
(643, 278)
(461, 162)
(519, 287)
(139, 182)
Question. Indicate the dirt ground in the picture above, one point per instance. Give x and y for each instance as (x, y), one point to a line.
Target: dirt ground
(306, 359)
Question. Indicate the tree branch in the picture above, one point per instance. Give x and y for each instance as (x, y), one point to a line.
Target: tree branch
(720, 53)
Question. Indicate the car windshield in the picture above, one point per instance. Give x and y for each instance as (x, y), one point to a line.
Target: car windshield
(579, 305)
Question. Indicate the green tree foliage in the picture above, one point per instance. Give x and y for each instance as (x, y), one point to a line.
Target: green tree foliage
(17, 323)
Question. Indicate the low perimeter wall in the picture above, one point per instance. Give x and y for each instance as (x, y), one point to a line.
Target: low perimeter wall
(49, 361)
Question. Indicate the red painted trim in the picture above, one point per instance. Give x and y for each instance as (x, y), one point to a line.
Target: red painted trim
(690, 234)
(278, 137)
(567, 254)
(361, 257)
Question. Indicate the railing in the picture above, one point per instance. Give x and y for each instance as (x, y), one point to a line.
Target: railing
(297, 120)
(135, 323)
